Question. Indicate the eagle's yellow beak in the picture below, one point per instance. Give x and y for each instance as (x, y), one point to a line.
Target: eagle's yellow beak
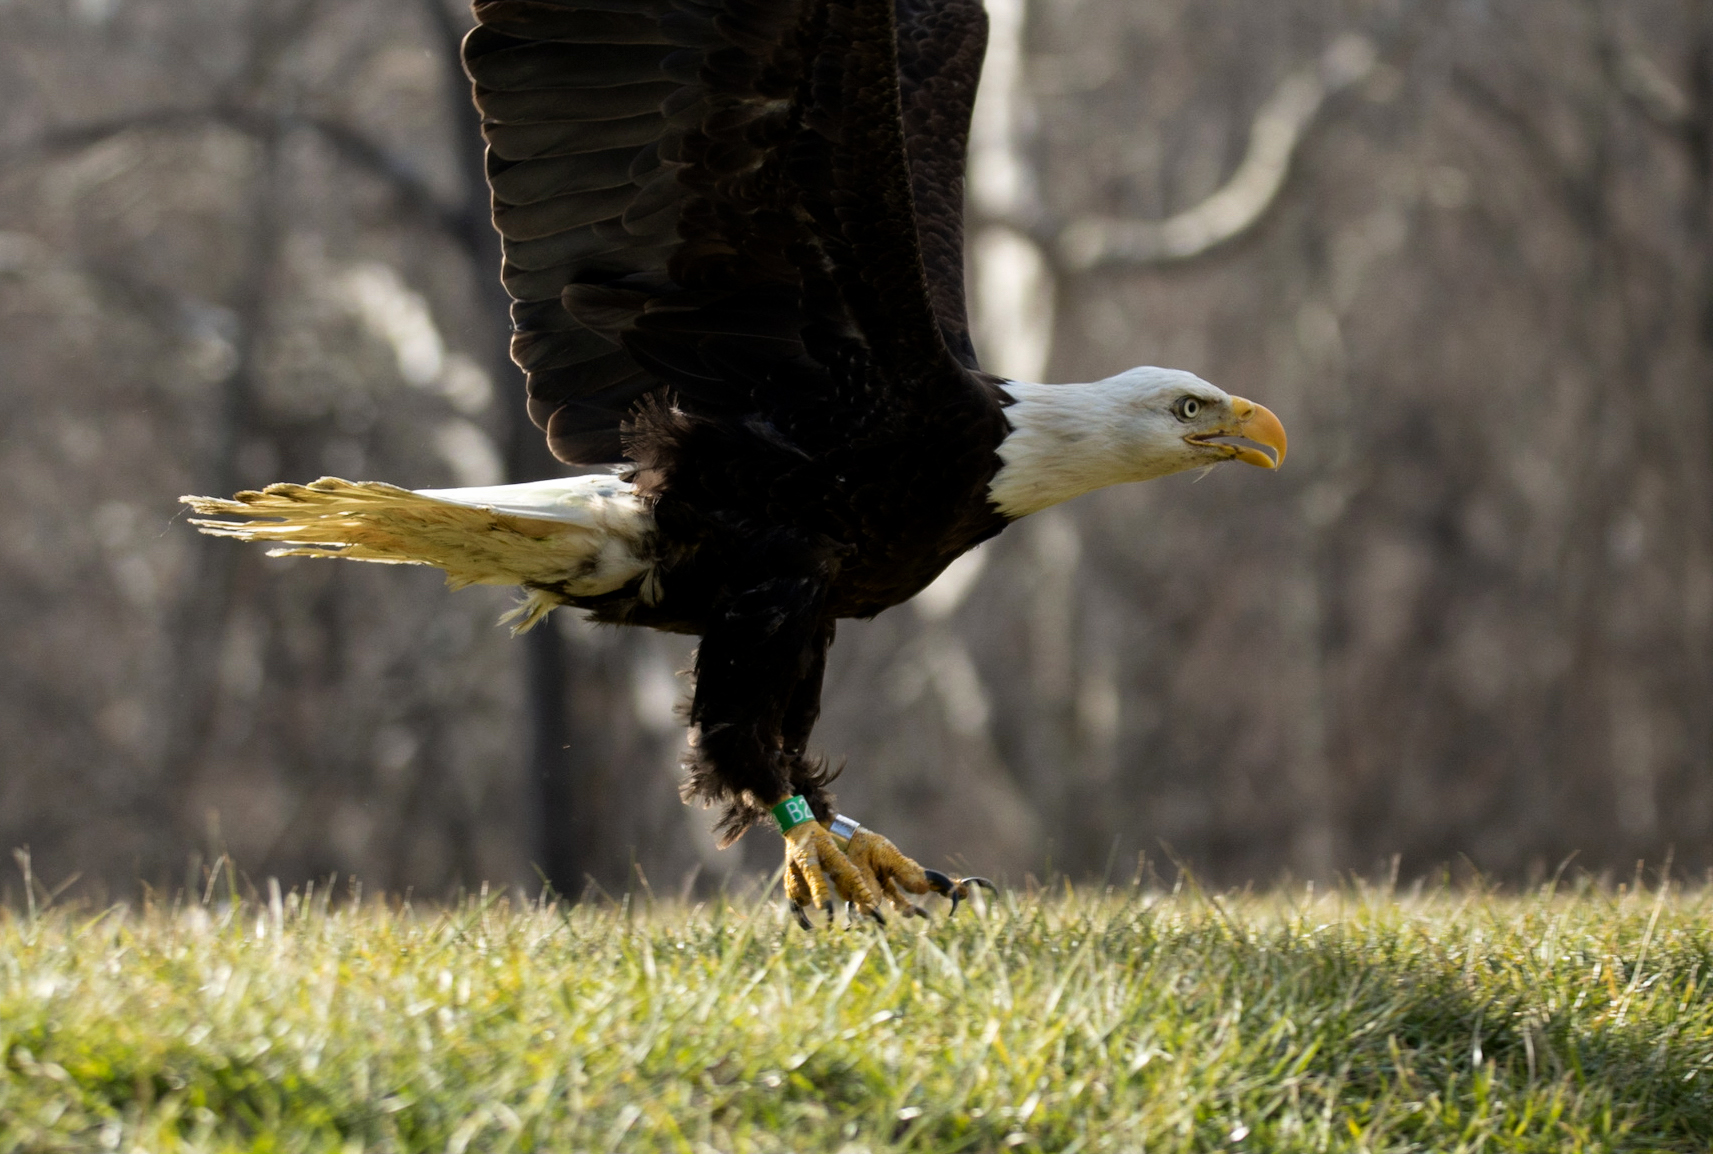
(1252, 422)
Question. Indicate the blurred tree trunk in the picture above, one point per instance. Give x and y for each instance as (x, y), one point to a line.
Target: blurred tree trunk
(204, 610)
(566, 851)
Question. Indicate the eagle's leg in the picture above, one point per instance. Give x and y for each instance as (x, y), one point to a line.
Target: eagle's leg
(758, 688)
(811, 854)
(757, 698)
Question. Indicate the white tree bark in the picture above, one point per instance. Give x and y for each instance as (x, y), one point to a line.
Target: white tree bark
(1013, 291)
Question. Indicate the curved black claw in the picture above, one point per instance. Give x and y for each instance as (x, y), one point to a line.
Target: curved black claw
(963, 890)
(956, 890)
(851, 914)
(802, 918)
(942, 884)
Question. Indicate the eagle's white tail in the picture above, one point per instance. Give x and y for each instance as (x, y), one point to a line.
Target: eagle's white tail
(569, 537)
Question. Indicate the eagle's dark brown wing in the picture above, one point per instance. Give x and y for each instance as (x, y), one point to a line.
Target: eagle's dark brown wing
(701, 195)
(940, 48)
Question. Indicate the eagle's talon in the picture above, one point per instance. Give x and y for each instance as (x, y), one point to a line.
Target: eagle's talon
(867, 868)
(941, 882)
(818, 875)
(958, 890)
(963, 890)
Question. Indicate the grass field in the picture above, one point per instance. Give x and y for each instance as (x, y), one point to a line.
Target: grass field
(1119, 1020)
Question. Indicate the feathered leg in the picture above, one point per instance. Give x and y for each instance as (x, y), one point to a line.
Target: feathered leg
(763, 641)
(758, 673)
(809, 776)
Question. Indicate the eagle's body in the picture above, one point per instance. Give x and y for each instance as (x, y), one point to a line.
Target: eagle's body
(874, 520)
(733, 235)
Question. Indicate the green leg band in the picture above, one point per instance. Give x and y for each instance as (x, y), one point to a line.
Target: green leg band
(792, 812)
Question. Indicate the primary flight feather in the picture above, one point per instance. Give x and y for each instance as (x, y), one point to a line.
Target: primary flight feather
(733, 237)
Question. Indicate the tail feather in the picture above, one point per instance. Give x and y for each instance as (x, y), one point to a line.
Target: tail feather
(576, 549)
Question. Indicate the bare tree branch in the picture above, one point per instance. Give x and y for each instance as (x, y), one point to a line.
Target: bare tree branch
(75, 138)
(1650, 90)
(404, 181)
(1243, 200)
(1580, 194)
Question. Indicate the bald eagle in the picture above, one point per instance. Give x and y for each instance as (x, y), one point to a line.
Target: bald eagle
(734, 241)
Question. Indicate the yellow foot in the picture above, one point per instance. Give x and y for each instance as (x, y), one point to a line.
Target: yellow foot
(842, 859)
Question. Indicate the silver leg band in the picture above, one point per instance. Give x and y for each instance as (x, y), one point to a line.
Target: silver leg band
(843, 828)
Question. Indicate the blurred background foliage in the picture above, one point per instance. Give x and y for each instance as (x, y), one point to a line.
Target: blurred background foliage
(1464, 248)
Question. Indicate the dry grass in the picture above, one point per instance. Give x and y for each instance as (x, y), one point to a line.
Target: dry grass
(1123, 1020)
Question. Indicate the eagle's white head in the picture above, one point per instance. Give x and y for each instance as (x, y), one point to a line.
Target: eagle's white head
(1144, 423)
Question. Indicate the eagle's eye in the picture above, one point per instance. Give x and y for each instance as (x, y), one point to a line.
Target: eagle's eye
(1186, 408)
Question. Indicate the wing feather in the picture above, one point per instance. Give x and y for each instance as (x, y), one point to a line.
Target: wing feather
(574, 138)
(517, 184)
(514, 65)
(535, 108)
(545, 218)
(940, 48)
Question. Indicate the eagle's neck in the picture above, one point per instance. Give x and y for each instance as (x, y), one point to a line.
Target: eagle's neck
(1067, 440)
